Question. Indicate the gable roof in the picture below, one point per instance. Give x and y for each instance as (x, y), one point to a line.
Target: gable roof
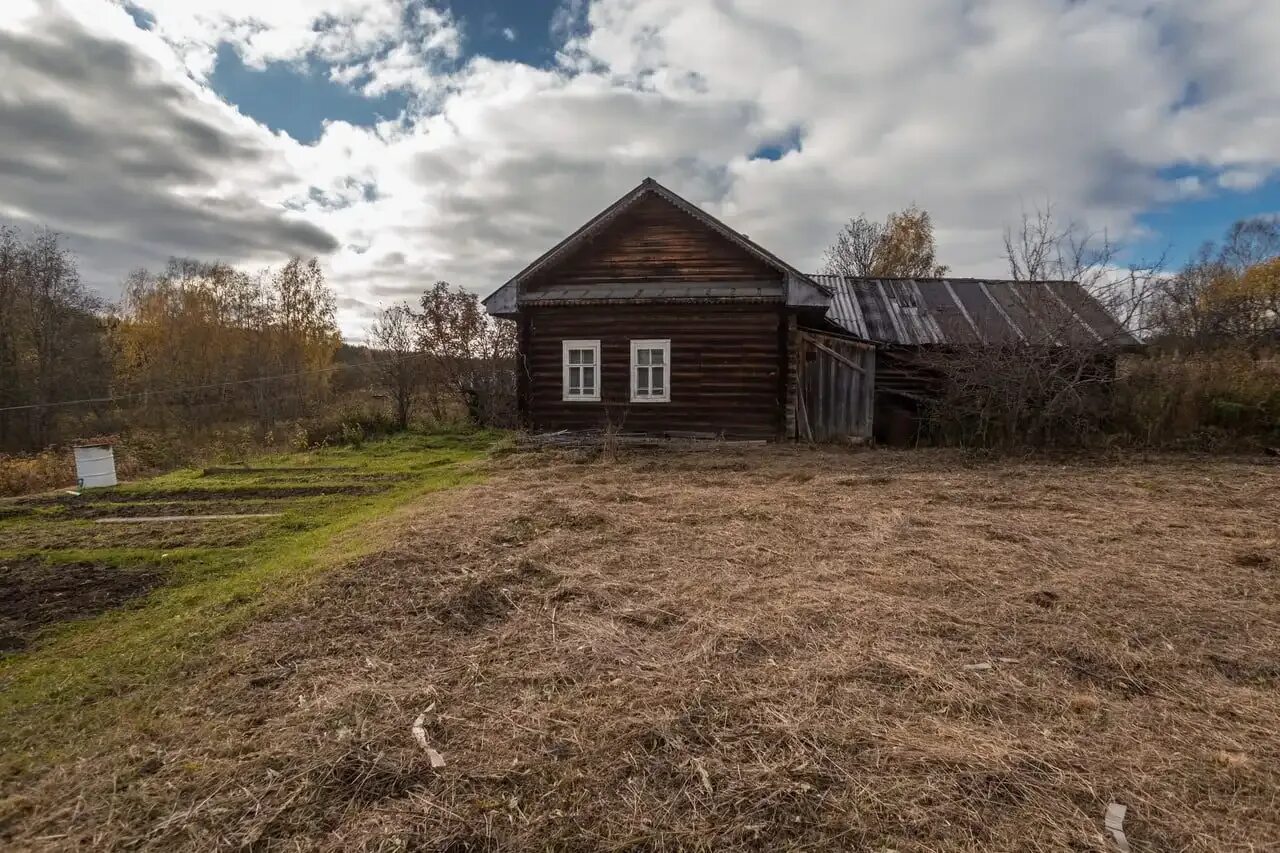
(801, 289)
(960, 311)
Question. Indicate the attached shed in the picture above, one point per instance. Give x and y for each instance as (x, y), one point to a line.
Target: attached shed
(655, 317)
(917, 322)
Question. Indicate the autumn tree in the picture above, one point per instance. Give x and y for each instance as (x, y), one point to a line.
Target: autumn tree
(394, 335)
(304, 328)
(1241, 307)
(1227, 295)
(1179, 312)
(50, 337)
(203, 335)
(470, 353)
(193, 326)
(900, 247)
(1260, 286)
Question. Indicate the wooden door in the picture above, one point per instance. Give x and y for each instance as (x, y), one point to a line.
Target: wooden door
(835, 388)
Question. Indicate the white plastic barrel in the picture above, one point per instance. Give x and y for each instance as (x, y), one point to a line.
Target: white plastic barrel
(95, 466)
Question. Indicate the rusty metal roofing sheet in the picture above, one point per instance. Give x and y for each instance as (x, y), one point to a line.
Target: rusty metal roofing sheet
(963, 311)
(845, 310)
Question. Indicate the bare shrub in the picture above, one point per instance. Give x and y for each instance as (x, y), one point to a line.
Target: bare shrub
(20, 475)
(1019, 395)
(1082, 396)
(1052, 387)
(1219, 399)
(349, 424)
(400, 365)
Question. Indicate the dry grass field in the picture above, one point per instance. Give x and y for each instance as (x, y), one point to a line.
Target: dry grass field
(772, 648)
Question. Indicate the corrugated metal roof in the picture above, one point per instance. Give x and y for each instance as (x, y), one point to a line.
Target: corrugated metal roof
(932, 311)
(656, 292)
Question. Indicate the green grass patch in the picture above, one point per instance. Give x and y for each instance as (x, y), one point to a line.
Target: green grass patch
(85, 673)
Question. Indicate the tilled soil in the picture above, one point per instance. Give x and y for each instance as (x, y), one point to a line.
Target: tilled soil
(305, 476)
(212, 494)
(115, 509)
(34, 594)
(84, 534)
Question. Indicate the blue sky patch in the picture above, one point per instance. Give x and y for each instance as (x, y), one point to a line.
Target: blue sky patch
(1181, 228)
(486, 23)
(144, 19)
(297, 99)
(779, 148)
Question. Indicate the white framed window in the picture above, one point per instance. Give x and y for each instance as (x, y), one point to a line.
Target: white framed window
(651, 371)
(582, 370)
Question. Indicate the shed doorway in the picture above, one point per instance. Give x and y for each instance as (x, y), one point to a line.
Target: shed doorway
(835, 385)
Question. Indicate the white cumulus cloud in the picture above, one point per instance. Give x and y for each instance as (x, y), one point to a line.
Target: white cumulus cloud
(972, 110)
(335, 31)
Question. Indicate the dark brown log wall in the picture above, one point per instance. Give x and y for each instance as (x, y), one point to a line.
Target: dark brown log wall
(725, 368)
(655, 241)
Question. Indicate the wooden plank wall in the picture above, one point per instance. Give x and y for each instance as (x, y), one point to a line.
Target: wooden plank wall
(792, 379)
(725, 373)
(655, 241)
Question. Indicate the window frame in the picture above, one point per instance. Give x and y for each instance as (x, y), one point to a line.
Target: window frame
(663, 344)
(566, 347)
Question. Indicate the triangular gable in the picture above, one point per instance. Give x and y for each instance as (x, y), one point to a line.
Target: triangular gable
(801, 290)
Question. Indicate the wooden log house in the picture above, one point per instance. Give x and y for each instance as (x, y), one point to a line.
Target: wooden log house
(657, 318)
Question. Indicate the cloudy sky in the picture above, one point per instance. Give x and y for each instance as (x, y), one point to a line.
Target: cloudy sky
(405, 141)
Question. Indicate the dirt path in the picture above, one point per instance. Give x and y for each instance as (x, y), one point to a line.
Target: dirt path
(764, 649)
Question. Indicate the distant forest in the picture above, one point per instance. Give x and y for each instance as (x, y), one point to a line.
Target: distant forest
(196, 346)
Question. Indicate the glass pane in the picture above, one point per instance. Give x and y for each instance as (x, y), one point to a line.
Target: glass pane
(657, 356)
(588, 380)
(642, 356)
(575, 356)
(575, 380)
(659, 380)
(642, 381)
(588, 356)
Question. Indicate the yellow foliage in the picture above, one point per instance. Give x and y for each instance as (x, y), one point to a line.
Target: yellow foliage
(901, 247)
(1245, 305)
(1262, 281)
(220, 335)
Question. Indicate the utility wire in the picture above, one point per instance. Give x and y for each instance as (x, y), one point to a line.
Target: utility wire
(227, 384)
